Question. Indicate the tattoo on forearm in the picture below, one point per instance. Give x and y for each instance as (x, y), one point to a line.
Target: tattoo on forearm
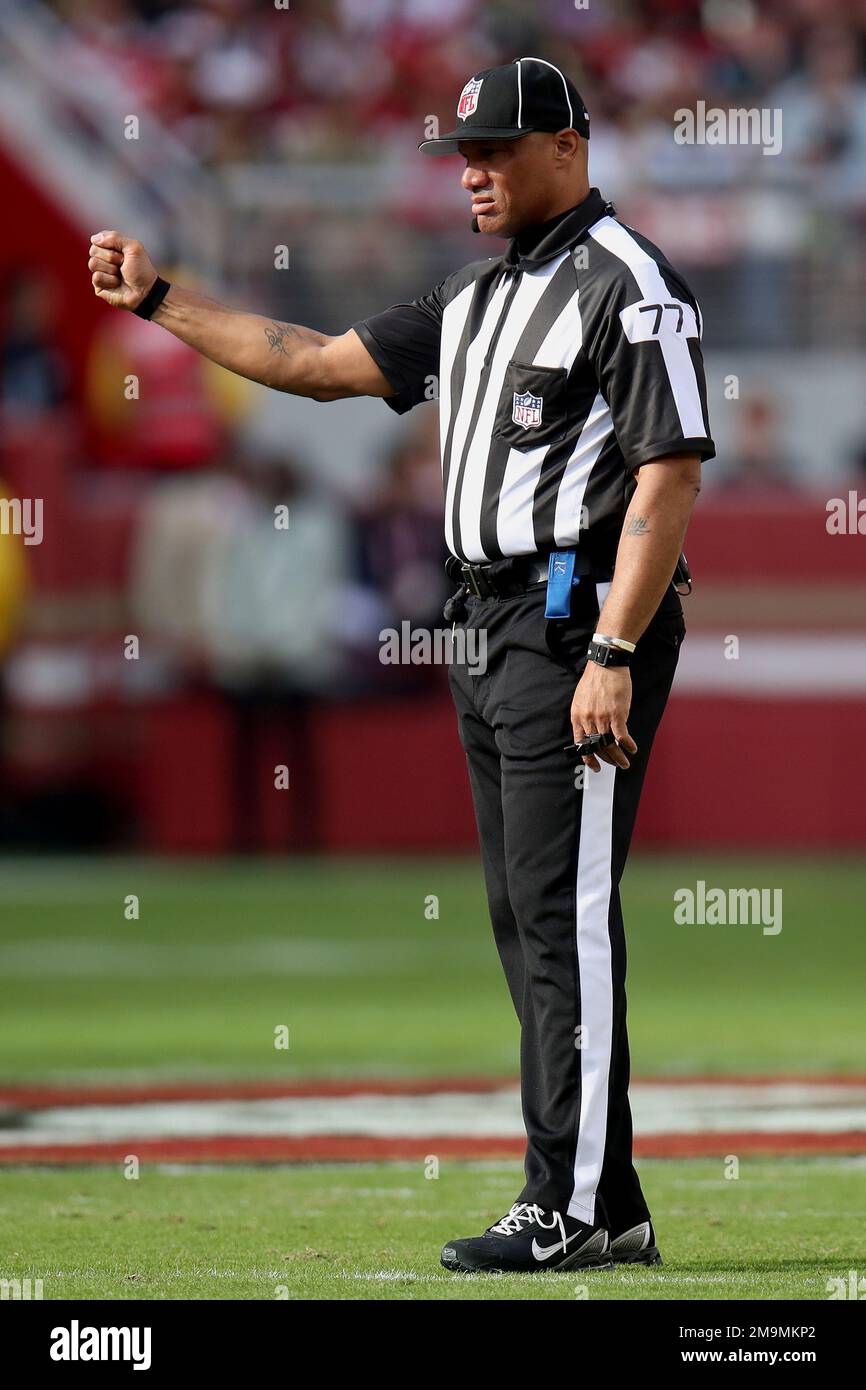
(637, 526)
(277, 335)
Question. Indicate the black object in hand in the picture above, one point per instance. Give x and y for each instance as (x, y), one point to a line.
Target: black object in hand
(591, 744)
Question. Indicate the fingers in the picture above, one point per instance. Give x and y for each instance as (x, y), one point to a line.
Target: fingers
(115, 241)
(615, 754)
(104, 264)
(103, 268)
(625, 744)
(619, 729)
(580, 733)
(102, 258)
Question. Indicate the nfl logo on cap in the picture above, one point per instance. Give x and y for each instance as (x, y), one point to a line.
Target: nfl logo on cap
(469, 99)
(527, 409)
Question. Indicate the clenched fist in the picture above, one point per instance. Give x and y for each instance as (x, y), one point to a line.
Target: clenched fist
(121, 270)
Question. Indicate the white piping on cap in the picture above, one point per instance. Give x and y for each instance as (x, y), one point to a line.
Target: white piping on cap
(564, 84)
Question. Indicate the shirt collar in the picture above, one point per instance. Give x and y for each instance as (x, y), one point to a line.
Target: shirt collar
(535, 245)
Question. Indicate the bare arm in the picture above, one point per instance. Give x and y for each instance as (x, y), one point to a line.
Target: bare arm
(284, 356)
(649, 547)
(650, 543)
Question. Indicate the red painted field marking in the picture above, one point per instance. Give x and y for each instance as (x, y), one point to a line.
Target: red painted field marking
(350, 1148)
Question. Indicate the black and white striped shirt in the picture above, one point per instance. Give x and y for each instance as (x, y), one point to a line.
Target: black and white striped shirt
(561, 366)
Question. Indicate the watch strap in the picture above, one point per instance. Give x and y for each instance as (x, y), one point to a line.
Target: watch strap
(604, 655)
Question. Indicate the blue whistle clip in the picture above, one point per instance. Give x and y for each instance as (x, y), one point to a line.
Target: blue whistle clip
(560, 581)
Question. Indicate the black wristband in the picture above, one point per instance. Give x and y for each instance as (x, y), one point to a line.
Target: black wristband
(152, 300)
(608, 656)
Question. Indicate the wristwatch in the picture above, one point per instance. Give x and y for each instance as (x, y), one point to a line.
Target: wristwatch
(603, 655)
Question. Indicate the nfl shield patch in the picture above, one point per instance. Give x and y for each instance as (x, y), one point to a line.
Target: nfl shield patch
(527, 409)
(468, 99)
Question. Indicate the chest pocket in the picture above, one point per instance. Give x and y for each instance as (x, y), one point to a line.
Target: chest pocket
(533, 406)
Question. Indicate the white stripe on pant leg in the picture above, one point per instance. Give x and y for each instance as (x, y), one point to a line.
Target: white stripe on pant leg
(592, 905)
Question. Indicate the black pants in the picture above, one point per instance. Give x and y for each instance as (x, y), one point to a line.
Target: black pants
(553, 856)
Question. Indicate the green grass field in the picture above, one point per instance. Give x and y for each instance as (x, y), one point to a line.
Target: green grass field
(780, 1231)
(343, 955)
(368, 983)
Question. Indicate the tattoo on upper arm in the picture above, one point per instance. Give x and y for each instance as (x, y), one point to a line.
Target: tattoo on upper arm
(637, 526)
(276, 335)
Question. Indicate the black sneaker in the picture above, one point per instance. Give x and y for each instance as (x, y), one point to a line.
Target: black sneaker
(529, 1239)
(636, 1246)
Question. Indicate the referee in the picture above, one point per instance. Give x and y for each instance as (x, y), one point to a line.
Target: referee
(573, 421)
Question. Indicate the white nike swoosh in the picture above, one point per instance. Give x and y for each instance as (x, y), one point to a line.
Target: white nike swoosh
(544, 1252)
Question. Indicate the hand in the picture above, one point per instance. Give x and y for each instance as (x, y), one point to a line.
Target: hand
(601, 702)
(121, 270)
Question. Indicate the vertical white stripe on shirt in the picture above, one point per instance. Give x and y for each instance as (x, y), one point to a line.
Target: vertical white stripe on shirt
(453, 323)
(472, 371)
(592, 905)
(514, 529)
(529, 292)
(674, 346)
(569, 500)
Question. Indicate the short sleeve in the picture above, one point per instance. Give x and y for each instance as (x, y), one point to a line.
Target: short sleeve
(404, 342)
(650, 369)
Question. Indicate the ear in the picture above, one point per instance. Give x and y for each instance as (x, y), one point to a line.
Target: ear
(566, 145)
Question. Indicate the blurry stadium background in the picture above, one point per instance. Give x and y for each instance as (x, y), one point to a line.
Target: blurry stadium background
(218, 132)
(257, 128)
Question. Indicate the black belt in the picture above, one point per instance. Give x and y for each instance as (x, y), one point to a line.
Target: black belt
(505, 578)
(502, 578)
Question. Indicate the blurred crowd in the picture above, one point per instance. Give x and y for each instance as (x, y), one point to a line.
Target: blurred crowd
(247, 570)
(258, 577)
(259, 82)
(270, 97)
(186, 563)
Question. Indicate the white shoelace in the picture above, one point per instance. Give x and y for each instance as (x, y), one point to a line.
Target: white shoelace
(523, 1214)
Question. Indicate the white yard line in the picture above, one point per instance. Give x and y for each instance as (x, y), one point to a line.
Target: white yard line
(659, 1109)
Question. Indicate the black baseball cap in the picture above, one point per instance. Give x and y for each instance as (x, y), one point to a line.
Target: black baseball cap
(511, 101)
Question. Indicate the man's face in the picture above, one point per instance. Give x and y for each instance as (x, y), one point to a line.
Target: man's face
(511, 181)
